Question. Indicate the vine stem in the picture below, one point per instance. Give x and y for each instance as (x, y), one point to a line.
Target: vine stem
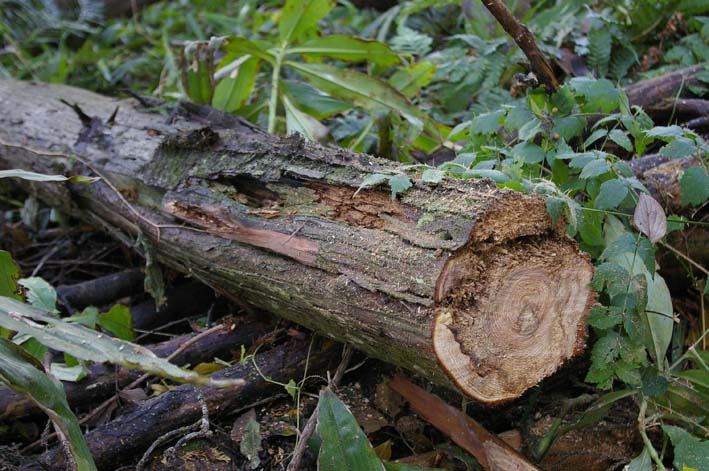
(273, 103)
(646, 441)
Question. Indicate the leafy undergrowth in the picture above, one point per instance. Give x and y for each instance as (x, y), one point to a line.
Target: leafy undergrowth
(441, 88)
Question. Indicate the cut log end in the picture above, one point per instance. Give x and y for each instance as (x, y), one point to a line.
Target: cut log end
(510, 315)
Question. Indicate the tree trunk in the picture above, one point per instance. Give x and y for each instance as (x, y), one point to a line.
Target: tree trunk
(461, 281)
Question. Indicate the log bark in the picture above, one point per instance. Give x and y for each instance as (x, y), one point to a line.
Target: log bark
(462, 282)
(123, 440)
(653, 94)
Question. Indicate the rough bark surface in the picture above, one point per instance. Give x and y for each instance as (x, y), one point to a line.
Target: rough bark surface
(461, 280)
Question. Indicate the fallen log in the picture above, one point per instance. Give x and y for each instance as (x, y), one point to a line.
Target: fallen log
(123, 440)
(101, 291)
(103, 380)
(461, 282)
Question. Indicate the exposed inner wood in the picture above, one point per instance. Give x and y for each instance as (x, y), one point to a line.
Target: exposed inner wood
(463, 283)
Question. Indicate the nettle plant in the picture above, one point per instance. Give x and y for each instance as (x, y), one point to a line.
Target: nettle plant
(539, 144)
(305, 87)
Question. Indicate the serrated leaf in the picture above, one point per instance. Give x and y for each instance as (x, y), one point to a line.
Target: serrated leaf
(32, 176)
(433, 176)
(605, 317)
(399, 183)
(666, 132)
(530, 129)
(40, 294)
(601, 95)
(24, 374)
(410, 79)
(348, 48)
(595, 135)
(528, 152)
(694, 186)
(595, 168)
(299, 16)
(679, 148)
(87, 344)
(599, 46)
(344, 445)
(621, 138)
(690, 451)
(9, 274)
(611, 194)
(487, 123)
(569, 127)
(372, 180)
(649, 218)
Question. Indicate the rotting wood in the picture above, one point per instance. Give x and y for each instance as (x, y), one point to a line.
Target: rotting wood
(462, 281)
(123, 440)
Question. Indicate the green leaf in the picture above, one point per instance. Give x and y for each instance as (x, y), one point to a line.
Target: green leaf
(601, 95)
(344, 445)
(372, 180)
(658, 315)
(487, 123)
(299, 16)
(250, 443)
(392, 466)
(690, 451)
(313, 102)
(612, 193)
(71, 374)
(24, 374)
(642, 462)
(433, 176)
(666, 132)
(90, 345)
(412, 78)
(595, 168)
(569, 127)
(233, 90)
(399, 183)
(679, 148)
(32, 176)
(595, 135)
(302, 123)
(621, 138)
(40, 294)
(528, 152)
(9, 274)
(600, 408)
(530, 129)
(237, 46)
(348, 48)
(362, 90)
(118, 322)
(694, 186)
(605, 317)
(197, 67)
(291, 389)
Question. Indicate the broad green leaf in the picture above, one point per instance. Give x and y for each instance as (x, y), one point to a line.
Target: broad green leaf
(595, 168)
(24, 374)
(410, 79)
(233, 90)
(528, 152)
(302, 123)
(601, 95)
(312, 101)
(299, 16)
(372, 180)
(612, 193)
(347, 48)
(496, 175)
(487, 123)
(71, 374)
(666, 132)
(690, 451)
(642, 462)
(694, 186)
(392, 466)
(362, 90)
(569, 127)
(344, 445)
(118, 322)
(433, 176)
(679, 148)
(9, 274)
(90, 345)
(605, 317)
(399, 183)
(32, 176)
(241, 46)
(530, 129)
(621, 138)
(697, 377)
(40, 294)
(658, 314)
(595, 135)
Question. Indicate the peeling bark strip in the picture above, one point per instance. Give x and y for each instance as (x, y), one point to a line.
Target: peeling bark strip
(462, 281)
